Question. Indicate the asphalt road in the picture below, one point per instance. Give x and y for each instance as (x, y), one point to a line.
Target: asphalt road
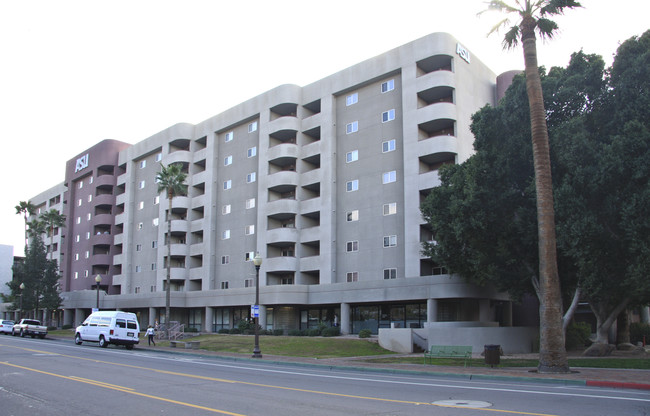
(50, 377)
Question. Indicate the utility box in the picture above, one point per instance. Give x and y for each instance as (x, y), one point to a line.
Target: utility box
(492, 354)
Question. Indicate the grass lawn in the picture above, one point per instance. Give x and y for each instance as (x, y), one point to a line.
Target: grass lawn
(319, 347)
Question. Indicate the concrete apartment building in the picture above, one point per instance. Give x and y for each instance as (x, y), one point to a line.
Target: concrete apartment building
(324, 181)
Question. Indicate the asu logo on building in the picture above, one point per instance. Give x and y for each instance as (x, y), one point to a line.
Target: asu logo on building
(462, 52)
(82, 163)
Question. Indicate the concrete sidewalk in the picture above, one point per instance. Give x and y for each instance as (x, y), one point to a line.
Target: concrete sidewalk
(612, 378)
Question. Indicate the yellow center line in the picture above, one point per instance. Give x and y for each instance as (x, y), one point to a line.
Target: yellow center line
(172, 373)
(123, 389)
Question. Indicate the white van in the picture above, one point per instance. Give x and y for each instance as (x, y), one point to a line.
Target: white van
(109, 327)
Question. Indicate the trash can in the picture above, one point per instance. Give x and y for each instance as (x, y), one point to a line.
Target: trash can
(492, 354)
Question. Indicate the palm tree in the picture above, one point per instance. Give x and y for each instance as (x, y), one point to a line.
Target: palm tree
(35, 228)
(532, 16)
(52, 219)
(171, 180)
(26, 208)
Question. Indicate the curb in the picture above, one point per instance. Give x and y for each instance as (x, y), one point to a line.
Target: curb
(618, 385)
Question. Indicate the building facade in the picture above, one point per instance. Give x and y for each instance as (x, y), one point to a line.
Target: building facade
(324, 181)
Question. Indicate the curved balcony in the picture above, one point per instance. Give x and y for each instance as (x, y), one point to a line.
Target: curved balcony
(200, 155)
(310, 150)
(179, 156)
(197, 273)
(438, 144)
(436, 112)
(102, 260)
(121, 180)
(310, 234)
(179, 250)
(310, 205)
(104, 199)
(99, 239)
(197, 225)
(281, 264)
(182, 202)
(121, 199)
(119, 280)
(428, 180)
(198, 201)
(281, 178)
(282, 206)
(282, 235)
(284, 123)
(119, 259)
(178, 273)
(120, 218)
(180, 226)
(435, 79)
(313, 176)
(200, 177)
(283, 150)
(103, 219)
(311, 122)
(118, 239)
(196, 249)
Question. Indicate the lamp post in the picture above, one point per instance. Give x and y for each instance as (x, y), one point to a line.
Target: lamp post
(98, 280)
(257, 261)
(22, 287)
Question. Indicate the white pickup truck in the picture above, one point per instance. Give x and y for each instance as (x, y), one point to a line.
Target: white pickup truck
(30, 327)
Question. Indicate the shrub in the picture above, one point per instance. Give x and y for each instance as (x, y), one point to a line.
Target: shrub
(331, 332)
(234, 331)
(638, 331)
(577, 335)
(365, 333)
(51, 328)
(224, 331)
(313, 332)
(295, 333)
(67, 326)
(191, 329)
(278, 332)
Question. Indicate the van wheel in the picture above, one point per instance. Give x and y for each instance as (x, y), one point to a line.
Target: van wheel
(129, 347)
(102, 342)
(77, 339)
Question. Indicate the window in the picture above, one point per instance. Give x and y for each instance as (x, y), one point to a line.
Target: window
(89, 216)
(252, 127)
(87, 254)
(351, 246)
(352, 276)
(141, 184)
(155, 222)
(90, 180)
(224, 285)
(138, 247)
(79, 202)
(390, 274)
(352, 127)
(288, 252)
(76, 275)
(351, 186)
(390, 241)
(227, 184)
(252, 152)
(154, 244)
(250, 203)
(387, 116)
(390, 209)
(81, 184)
(153, 267)
(225, 259)
(352, 156)
(225, 210)
(156, 200)
(388, 86)
(249, 283)
(87, 235)
(78, 220)
(138, 269)
(137, 290)
(141, 205)
(227, 160)
(251, 177)
(90, 198)
(76, 239)
(250, 256)
(158, 157)
(250, 230)
(85, 273)
(143, 164)
(389, 177)
(225, 234)
(388, 146)
(352, 99)
(286, 281)
(139, 226)
(229, 136)
(76, 256)
(352, 215)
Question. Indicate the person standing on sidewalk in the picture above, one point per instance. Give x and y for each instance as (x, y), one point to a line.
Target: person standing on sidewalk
(150, 334)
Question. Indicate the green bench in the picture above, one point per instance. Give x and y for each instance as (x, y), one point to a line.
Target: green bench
(449, 351)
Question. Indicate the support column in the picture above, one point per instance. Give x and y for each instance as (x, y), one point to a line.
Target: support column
(68, 317)
(645, 314)
(507, 314)
(484, 310)
(152, 317)
(432, 310)
(79, 317)
(262, 318)
(209, 317)
(346, 328)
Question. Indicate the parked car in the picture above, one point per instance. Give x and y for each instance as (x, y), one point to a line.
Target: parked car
(31, 327)
(6, 327)
(109, 327)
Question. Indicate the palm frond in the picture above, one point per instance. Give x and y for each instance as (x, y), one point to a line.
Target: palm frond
(546, 28)
(511, 38)
(555, 7)
(496, 28)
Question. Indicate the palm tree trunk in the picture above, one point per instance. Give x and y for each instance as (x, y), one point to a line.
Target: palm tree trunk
(552, 354)
(169, 265)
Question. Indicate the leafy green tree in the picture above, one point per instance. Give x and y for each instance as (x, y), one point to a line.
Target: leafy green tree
(171, 180)
(533, 16)
(52, 219)
(25, 208)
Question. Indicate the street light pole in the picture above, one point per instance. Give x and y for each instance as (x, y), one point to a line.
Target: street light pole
(257, 261)
(98, 280)
(22, 287)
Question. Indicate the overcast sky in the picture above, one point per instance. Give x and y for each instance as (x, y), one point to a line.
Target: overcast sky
(73, 73)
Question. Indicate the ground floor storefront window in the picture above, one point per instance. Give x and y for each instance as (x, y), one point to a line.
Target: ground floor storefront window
(374, 317)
